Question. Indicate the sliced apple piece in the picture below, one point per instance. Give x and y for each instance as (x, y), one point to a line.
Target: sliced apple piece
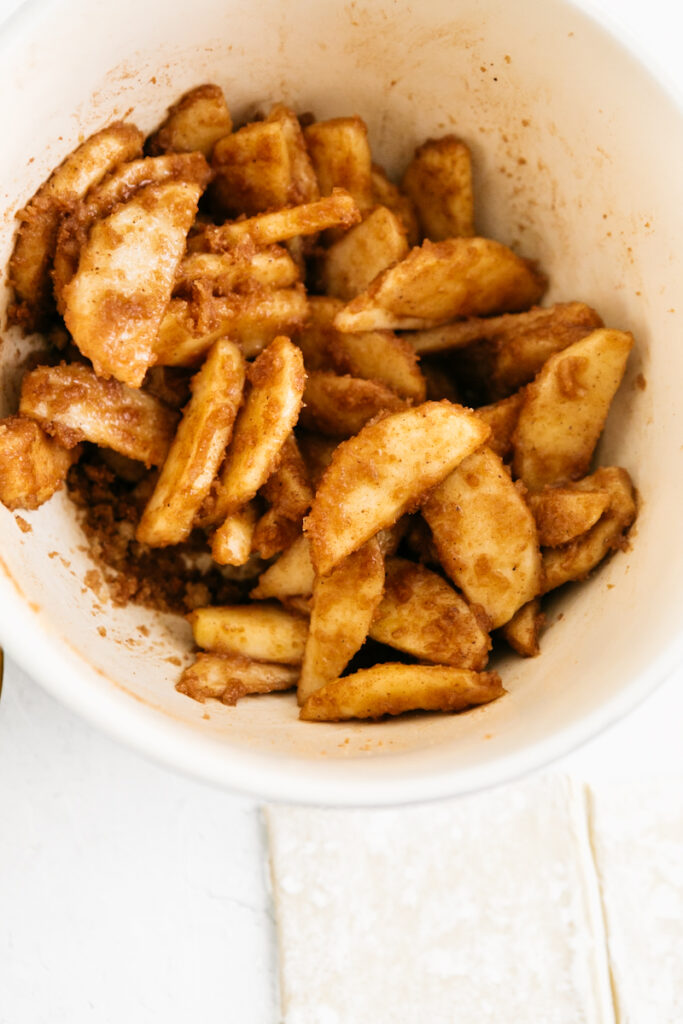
(289, 493)
(439, 181)
(223, 272)
(194, 123)
(341, 406)
(575, 560)
(115, 302)
(485, 536)
(227, 678)
(384, 471)
(351, 263)
(565, 409)
(29, 267)
(264, 166)
(103, 198)
(390, 195)
(563, 513)
(374, 355)
(197, 449)
(340, 154)
(423, 615)
(263, 425)
(522, 631)
(344, 603)
(392, 689)
(232, 543)
(292, 575)
(336, 210)
(74, 405)
(252, 319)
(440, 281)
(502, 418)
(32, 465)
(263, 632)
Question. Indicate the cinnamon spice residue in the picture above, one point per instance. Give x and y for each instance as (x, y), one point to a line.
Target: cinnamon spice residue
(22, 524)
(171, 579)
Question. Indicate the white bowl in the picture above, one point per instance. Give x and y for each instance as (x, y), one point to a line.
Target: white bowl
(578, 153)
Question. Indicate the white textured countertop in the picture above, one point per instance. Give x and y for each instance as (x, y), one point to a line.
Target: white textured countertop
(128, 893)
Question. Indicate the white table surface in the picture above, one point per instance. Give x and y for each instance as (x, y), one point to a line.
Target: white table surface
(128, 893)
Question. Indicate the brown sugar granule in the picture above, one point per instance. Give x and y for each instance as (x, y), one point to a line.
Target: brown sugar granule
(93, 580)
(172, 579)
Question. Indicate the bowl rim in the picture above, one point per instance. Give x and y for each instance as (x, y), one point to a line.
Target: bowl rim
(287, 779)
(280, 778)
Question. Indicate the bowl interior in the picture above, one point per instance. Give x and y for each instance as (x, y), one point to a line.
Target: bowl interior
(577, 151)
